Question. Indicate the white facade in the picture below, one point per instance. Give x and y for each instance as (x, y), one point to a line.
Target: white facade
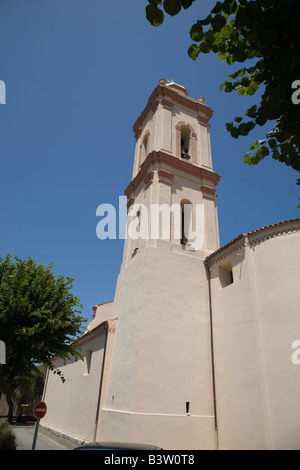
(161, 377)
(73, 407)
(255, 322)
(195, 351)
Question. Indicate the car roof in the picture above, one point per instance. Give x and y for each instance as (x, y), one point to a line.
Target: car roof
(116, 445)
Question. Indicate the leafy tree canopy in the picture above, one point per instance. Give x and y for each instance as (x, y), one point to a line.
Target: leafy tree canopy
(264, 36)
(39, 318)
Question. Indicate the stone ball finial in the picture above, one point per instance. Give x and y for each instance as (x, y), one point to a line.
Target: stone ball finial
(162, 81)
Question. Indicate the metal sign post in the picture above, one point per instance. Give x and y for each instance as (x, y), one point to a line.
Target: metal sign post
(36, 430)
(39, 412)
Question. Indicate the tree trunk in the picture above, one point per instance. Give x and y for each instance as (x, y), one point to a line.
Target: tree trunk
(10, 408)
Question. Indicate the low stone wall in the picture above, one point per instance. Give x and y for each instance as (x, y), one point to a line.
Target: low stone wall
(67, 440)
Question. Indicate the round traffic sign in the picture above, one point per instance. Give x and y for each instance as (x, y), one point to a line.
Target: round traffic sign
(40, 410)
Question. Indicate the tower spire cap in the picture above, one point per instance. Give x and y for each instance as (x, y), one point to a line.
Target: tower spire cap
(173, 85)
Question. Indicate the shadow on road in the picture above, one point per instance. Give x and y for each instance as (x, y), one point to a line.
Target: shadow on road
(24, 435)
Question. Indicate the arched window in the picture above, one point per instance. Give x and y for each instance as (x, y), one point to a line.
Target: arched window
(144, 148)
(186, 221)
(185, 142)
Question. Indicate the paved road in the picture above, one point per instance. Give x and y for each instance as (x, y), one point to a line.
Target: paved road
(24, 435)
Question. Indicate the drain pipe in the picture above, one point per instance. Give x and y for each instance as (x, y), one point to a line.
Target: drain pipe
(212, 351)
(105, 326)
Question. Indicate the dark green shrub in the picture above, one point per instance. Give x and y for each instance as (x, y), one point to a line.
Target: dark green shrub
(8, 441)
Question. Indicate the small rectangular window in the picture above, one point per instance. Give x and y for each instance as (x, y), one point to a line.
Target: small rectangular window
(225, 273)
(88, 360)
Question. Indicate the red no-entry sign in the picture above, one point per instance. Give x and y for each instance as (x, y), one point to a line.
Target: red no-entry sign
(40, 410)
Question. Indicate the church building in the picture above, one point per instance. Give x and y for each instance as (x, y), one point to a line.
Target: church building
(198, 350)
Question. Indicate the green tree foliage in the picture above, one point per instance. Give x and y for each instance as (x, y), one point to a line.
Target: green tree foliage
(263, 35)
(30, 388)
(39, 318)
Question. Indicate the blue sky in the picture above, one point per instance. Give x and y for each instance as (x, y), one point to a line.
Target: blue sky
(78, 73)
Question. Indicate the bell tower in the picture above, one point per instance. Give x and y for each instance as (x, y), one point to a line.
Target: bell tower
(160, 384)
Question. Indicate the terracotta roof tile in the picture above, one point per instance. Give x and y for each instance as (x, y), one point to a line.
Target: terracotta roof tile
(208, 258)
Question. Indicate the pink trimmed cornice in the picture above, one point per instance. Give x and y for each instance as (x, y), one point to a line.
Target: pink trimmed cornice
(167, 96)
(157, 159)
